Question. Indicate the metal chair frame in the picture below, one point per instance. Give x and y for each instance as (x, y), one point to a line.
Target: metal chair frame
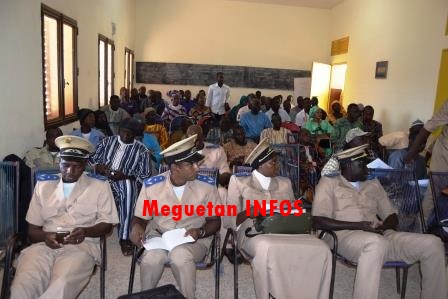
(439, 180)
(17, 242)
(212, 255)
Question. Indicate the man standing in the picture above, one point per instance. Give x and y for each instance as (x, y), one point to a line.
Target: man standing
(79, 204)
(178, 186)
(126, 162)
(364, 219)
(218, 94)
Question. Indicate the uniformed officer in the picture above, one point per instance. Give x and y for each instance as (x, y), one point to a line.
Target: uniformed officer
(283, 265)
(180, 185)
(80, 205)
(364, 220)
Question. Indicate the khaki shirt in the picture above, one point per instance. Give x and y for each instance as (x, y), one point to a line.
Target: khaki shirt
(437, 120)
(160, 189)
(90, 202)
(244, 190)
(215, 157)
(336, 198)
(41, 158)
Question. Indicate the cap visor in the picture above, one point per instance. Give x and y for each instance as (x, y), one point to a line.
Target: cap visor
(194, 158)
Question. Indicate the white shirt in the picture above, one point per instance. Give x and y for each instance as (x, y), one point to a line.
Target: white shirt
(301, 118)
(263, 180)
(217, 97)
(241, 111)
(283, 114)
(179, 190)
(68, 188)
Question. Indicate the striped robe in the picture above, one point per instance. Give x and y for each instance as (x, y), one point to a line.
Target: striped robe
(133, 160)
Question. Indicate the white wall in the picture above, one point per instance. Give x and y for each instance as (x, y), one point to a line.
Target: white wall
(232, 33)
(21, 118)
(407, 33)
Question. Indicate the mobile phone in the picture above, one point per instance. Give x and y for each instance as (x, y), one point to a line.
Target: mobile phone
(60, 235)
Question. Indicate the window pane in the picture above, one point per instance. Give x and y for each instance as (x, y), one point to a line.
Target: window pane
(68, 69)
(51, 87)
(102, 74)
(126, 68)
(109, 71)
(131, 70)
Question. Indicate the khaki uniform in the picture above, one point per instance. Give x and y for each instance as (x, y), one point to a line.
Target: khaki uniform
(182, 258)
(41, 158)
(284, 266)
(336, 198)
(62, 273)
(215, 157)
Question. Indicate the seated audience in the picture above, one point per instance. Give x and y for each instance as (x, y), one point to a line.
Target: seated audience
(179, 185)
(311, 161)
(336, 112)
(234, 112)
(343, 125)
(254, 122)
(287, 106)
(114, 113)
(275, 258)
(222, 134)
(296, 109)
(374, 128)
(243, 107)
(303, 116)
(320, 129)
(101, 123)
(396, 158)
(47, 156)
(142, 98)
(87, 131)
(276, 108)
(131, 104)
(365, 220)
(173, 110)
(276, 134)
(154, 127)
(238, 148)
(187, 102)
(200, 111)
(80, 204)
(126, 163)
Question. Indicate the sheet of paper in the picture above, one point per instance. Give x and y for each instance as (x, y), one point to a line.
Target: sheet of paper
(175, 238)
(378, 164)
(154, 243)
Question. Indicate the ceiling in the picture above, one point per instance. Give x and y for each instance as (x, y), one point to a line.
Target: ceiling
(304, 3)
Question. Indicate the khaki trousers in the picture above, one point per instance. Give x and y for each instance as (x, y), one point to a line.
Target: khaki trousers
(371, 250)
(182, 260)
(43, 272)
(289, 266)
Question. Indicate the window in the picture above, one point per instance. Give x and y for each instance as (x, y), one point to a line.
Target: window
(59, 67)
(106, 74)
(128, 68)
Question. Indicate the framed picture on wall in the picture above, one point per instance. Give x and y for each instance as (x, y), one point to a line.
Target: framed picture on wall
(381, 70)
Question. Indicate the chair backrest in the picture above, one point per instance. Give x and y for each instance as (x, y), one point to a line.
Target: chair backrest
(402, 188)
(210, 172)
(9, 199)
(439, 182)
(289, 164)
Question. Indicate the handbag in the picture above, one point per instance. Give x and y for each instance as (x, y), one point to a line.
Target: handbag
(279, 224)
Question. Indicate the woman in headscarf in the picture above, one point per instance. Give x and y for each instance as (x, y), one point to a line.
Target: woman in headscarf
(234, 111)
(320, 129)
(277, 260)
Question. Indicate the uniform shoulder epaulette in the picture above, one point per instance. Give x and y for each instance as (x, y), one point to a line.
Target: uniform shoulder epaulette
(242, 174)
(96, 176)
(212, 146)
(47, 177)
(206, 179)
(154, 180)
